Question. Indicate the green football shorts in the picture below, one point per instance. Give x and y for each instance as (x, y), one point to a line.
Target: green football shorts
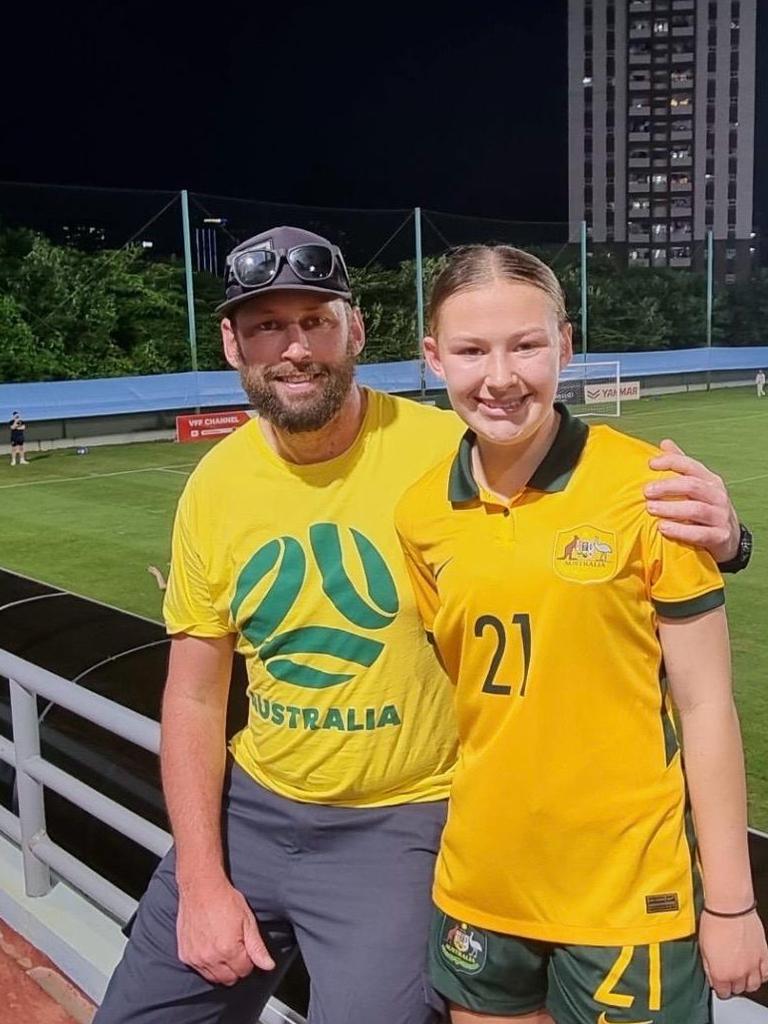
(493, 973)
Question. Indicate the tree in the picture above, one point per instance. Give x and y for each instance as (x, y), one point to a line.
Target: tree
(740, 314)
(68, 314)
(20, 356)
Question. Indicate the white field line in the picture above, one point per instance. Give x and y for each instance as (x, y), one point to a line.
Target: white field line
(636, 414)
(75, 593)
(92, 476)
(747, 479)
(650, 407)
(165, 469)
(713, 421)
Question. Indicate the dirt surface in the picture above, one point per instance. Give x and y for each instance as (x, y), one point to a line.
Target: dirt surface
(32, 989)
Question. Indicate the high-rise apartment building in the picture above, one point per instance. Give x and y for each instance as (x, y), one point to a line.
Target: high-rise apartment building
(661, 128)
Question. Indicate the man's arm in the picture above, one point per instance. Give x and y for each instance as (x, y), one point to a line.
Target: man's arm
(216, 931)
(694, 506)
(697, 662)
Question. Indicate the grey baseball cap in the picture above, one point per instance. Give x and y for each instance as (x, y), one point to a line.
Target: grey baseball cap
(280, 259)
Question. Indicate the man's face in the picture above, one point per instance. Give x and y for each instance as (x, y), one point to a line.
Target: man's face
(296, 354)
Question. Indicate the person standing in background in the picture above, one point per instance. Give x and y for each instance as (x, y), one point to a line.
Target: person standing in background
(18, 426)
(760, 383)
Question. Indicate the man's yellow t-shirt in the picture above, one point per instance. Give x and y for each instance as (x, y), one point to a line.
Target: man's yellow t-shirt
(348, 705)
(568, 819)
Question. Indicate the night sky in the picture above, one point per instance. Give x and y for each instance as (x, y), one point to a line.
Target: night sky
(460, 108)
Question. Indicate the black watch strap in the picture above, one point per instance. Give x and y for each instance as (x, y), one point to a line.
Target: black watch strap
(743, 553)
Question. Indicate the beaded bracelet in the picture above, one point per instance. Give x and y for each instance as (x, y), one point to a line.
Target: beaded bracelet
(739, 913)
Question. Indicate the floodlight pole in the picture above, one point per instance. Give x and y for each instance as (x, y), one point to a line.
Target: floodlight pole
(583, 239)
(188, 275)
(420, 298)
(710, 300)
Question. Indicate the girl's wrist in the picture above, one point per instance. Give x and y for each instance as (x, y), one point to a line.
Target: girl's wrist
(744, 912)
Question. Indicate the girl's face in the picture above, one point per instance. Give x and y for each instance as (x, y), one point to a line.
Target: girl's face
(500, 351)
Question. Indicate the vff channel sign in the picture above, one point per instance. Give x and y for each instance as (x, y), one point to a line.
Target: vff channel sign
(209, 425)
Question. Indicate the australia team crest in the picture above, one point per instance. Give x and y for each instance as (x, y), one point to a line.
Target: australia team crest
(463, 947)
(586, 554)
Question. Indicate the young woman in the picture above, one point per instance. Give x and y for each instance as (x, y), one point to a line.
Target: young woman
(569, 881)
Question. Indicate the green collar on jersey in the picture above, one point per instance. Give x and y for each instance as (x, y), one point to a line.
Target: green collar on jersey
(552, 474)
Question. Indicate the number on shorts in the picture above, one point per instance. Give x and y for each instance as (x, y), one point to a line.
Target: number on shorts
(605, 992)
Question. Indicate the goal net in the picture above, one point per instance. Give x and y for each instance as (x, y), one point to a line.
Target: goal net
(591, 389)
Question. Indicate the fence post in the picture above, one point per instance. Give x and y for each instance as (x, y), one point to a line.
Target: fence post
(420, 299)
(191, 323)
(26, 740)
(583, 238)
(710, 301)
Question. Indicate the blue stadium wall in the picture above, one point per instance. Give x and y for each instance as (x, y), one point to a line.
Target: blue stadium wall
(123, 405)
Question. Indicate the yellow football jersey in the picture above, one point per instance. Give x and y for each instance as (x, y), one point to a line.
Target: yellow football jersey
(347, 702)
(568, 817)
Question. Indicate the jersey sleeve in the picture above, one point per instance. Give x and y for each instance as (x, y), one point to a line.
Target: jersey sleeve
(188, 606)
(422, 581)
(684, 580)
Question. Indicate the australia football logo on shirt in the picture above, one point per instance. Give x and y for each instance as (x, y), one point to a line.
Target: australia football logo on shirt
(316, 656)
(585, 554)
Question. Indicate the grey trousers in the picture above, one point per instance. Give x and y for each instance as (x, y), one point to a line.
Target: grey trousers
(350, 886)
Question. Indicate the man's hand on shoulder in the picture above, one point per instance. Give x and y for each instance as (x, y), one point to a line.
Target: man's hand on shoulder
(693, 506)
(218, 935)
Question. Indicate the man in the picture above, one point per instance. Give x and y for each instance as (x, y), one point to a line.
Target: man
(18, 427)
(760, 383)
(334, 799)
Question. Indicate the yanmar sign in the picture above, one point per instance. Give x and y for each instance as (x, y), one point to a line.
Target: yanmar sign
(594, 393)
(209, 425)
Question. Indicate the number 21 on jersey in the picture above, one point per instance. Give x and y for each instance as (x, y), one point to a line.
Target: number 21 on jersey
(518, 631)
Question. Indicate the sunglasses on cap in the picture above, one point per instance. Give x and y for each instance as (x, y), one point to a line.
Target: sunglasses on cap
(310, 263)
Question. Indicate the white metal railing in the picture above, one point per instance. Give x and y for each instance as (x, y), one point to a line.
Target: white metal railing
(34, 773)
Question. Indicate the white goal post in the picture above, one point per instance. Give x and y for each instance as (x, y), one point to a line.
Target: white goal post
(591, 389)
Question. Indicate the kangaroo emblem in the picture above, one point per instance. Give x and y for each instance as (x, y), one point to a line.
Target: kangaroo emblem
(570, 548)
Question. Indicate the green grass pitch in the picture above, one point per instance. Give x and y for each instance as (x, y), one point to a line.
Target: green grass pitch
(92, 524)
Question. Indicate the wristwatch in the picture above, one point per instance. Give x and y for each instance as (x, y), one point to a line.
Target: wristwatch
(743, 553)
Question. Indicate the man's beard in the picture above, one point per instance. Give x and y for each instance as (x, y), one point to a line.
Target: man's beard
(305, 412)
